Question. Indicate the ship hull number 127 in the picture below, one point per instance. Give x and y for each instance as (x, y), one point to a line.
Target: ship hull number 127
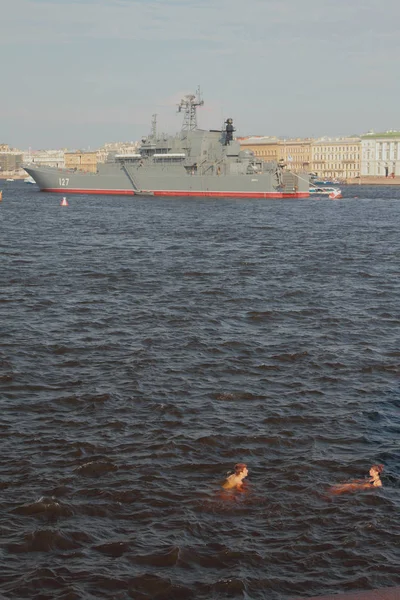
(63, 181)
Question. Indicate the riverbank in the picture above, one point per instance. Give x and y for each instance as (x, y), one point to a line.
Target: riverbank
(382, 594)
(20, 176)
(373, 181)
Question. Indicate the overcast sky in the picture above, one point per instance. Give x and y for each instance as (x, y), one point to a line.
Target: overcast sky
(79, 73)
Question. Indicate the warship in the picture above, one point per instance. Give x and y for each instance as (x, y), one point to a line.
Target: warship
(194, 162)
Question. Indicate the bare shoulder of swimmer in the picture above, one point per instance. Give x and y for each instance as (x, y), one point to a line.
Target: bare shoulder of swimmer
(373, 481)
(236, 479)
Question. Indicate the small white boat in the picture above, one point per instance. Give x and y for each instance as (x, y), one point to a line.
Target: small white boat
(334, 193)
(9, 179)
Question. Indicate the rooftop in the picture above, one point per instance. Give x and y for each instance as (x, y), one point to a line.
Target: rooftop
(258, 139)
(384, 134)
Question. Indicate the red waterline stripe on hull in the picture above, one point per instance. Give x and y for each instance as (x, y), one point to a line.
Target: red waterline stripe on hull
(232, 194)
(184, 193)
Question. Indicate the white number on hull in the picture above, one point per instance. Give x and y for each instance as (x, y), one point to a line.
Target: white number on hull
(63, 181)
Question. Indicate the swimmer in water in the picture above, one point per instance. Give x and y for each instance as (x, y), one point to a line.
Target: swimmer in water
(235, 481)
(359, 484)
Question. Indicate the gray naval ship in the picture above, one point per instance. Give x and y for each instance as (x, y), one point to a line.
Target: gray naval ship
(194, 162)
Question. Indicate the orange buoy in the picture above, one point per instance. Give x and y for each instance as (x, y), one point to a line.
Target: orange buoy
(1, 195)
(64, 202)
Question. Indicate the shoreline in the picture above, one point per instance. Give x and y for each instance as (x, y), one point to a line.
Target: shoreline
(4, 177)
(391, 593)
(372, 181)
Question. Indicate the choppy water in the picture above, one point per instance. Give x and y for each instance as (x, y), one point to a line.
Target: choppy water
(147, 345)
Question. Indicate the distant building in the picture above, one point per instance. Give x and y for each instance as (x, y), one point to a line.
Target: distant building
(81, 161)
(266, 148)
(380, 154)
(10, 161)
(336, 158)
(116, 148)
(45, 158)
(296, 153)
(329, 158)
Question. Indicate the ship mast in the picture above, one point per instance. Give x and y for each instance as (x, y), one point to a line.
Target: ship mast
(153, 133)
(189, 106)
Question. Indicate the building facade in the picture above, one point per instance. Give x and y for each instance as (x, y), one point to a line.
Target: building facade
(336, 158)
(81, 161)
(111, 148)
(263, 147)
(297, 154)
(328, 158)
(380, 154)
(45, 158)
(10, 162)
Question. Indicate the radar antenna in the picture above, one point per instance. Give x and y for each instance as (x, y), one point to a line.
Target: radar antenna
(189, 106)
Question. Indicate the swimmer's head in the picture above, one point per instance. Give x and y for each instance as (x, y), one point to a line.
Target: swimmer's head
(240, 468)
(376, 469)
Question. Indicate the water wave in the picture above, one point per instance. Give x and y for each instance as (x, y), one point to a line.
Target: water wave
(148, 346)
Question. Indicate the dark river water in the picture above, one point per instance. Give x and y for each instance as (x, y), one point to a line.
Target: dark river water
(147, 345)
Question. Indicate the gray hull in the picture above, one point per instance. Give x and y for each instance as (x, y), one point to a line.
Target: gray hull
(115, 179)
(110, 179)
(172, 182)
